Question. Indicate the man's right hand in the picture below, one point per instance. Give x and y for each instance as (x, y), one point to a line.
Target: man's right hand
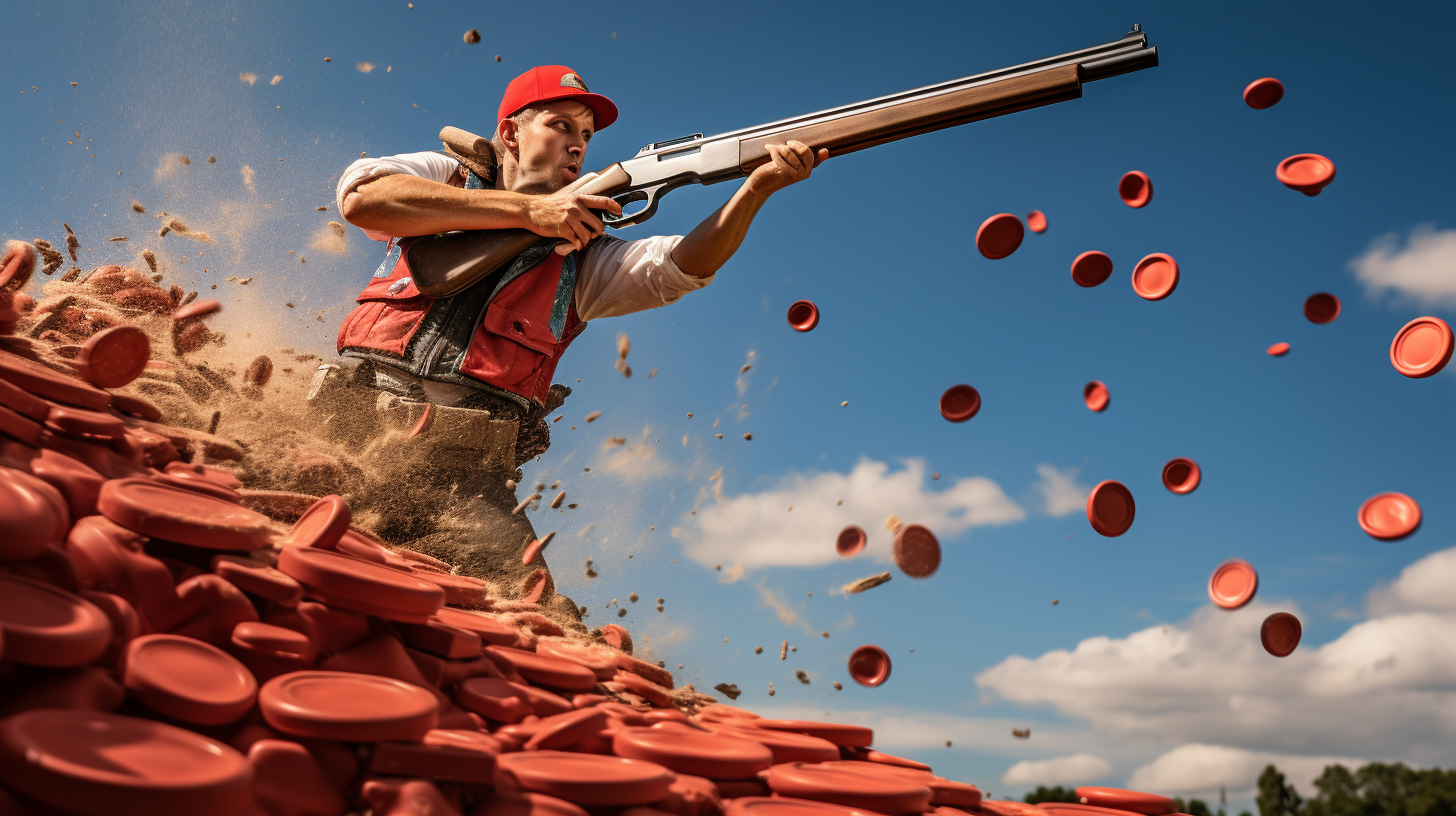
(567, 214)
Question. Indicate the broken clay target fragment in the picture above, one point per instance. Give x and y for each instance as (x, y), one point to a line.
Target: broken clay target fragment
(1091, 268)
(1110, 508)
(1135, 189)
(803, 315)
(1263, 93)
(960, 402)
(1422, 347)
(869, 665)
(999, 236)
(1280, 634)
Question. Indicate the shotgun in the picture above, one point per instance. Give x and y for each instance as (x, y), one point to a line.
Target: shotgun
(448, 263)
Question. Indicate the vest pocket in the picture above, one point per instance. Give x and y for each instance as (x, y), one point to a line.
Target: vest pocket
(383, 325)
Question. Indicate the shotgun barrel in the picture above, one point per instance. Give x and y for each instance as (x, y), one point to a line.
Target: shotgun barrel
(448, 263)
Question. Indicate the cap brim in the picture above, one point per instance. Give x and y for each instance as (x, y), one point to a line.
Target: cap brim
(604, 111)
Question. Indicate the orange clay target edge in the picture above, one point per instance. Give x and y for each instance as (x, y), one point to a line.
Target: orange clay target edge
(1233, 584)
(1422, 347)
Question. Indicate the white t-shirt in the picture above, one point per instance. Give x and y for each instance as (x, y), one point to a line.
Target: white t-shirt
(614, 277)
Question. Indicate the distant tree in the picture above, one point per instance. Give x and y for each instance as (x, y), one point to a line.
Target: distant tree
(1378, 789)
(1276, 797)
(1057, 794)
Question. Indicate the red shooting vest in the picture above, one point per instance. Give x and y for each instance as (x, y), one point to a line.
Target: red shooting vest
(495, 336)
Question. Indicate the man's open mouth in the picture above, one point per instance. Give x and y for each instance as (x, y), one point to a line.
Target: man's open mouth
(572, 170)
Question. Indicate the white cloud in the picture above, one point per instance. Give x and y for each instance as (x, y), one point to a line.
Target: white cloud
(1426, 584)
(1060, 491)
(1424, 271)
(758, 530)
(1199, 771)
(1067, 770)
(1386, 686)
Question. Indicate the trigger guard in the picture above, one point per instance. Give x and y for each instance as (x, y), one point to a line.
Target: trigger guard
(627, 219)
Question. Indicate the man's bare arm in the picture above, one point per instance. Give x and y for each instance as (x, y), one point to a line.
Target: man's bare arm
(404, 205)
(704, 250)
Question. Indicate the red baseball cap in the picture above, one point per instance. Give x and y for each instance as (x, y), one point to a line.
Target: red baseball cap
(548, 83)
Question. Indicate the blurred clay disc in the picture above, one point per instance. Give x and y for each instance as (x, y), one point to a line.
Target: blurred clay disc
(1422, 347)
(1309, 173)
(1110, 508)
(803, 315)
(869, 665)
(1036, 221)
(851, 541)
(1135, 189)
(1182, 475)
(1278, 350)
(1096, 396)
(959, 403)
(1321, 308)
(114, 357)
(1091, 268)
(916, 550)
(1263, 93)
(1280, 634)
(999, 236)
(1155, 277)
(1389, 516)
(1233, 584)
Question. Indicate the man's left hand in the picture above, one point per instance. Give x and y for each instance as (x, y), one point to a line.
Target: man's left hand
(788, 163)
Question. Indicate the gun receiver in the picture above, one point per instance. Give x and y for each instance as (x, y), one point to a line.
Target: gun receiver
(450, 262)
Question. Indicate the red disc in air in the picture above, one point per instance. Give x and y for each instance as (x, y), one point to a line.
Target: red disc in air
(1390, 516)
(1155, 277)
(188, 680)
(585, 779)
(1091, 268)
(1149, 804)
(1096, 396)
(1233, 584)
(1280, 634)
(1036, 221)
(847, 736)
(1182, 475)
(1135, 189)
(184, 516)
(44, 625)
(349, 579)
(1309, 173)
(1110, 508)
(1321, 308)
(959, 403)
(715, 756)
(321, 525)
(916, 551)
(98, 764)
(869, 665)
(999, 236)
(1263, 93)
(347, 706)
(851, 541)
(803, 315)
(879, 793)
(114, 357)
(1422, 347)
(1278, 350)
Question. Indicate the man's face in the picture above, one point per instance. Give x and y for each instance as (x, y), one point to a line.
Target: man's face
(552, 147)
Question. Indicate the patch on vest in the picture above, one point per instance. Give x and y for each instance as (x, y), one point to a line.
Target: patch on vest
(398, 286)
(573, 81)
(390, 259)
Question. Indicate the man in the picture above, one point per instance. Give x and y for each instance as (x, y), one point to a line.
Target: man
(481, 361)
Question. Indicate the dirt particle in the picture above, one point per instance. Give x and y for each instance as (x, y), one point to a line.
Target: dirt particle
(865, 583)
(593, 416)
(758, 650)
(497, 58)
(784, 651)
(728, 690)
(472, 37)
(250, 77)
(837, 686)
(632, 597)
(364, 67)
(802, 676)
(748, 436)
(771, 691)
(277, 78)
(935, 477)
(136, 206)
(622, 613)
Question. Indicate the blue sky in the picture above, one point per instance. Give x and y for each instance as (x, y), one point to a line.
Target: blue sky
(882, 240)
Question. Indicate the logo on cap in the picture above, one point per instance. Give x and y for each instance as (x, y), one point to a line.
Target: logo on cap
(573, 81)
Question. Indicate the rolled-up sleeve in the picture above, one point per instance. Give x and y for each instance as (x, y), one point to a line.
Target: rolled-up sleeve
(428, 165)
(619, 277)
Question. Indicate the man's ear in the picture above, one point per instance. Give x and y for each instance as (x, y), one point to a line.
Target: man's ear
(510, 137)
